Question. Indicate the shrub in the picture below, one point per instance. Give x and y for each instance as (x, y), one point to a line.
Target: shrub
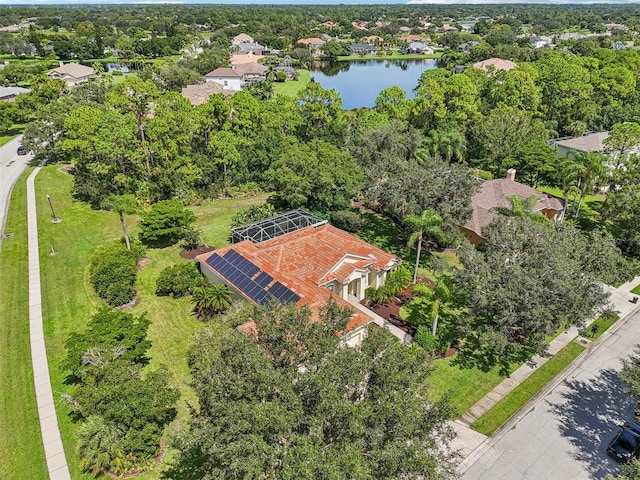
(191, 239)
(399, 279)
(112, 272)
(347, 220)
(252, 214)
(165, 223)
(281, 77)
(178, 280)
(432, 344)
(377, 296)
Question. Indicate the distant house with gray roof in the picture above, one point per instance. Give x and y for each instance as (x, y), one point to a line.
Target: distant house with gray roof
(589, 142)
(9, 94)
(72, 73)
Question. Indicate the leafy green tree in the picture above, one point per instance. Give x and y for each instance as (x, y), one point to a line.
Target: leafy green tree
(283, 399)
(165, 222)
(100, 447)
(525, 283)
(523, 207)
(423, 227)
(322, 115)
(122, 204)
(315, 174)
(210, 300)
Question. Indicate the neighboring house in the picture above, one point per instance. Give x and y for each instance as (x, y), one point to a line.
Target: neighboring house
(494, 194)
(199, 94)
(330, 24)
(467, 46)
(9, 94)
(251, 73)
(240, 58)
(229, 78)
(418, 47)
(589, 142)
(298, 258)
(411, 38)
(494, 64)
(539, 42)
(313, 42)
(357, 48)
(241, 38)
(570, 36)
(72, 73)
(253, 48)
(405, 29)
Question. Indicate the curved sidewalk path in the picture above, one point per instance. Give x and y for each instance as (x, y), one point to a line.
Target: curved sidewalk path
(53, 449)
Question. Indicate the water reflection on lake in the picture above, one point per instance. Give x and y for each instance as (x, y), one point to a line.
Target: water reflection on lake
(359, 82)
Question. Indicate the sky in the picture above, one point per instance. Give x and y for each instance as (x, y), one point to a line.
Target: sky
(304, 2)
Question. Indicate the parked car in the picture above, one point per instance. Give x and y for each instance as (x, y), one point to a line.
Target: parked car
(22, 150)
(626, 444)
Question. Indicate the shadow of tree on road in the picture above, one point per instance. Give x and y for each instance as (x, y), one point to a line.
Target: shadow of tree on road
(589, 414)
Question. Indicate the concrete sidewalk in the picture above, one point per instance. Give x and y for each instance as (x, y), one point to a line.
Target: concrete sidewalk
(53, 449)
(471, 443)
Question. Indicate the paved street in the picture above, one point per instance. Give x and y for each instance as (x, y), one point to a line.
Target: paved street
(565, 435)
(11, 166)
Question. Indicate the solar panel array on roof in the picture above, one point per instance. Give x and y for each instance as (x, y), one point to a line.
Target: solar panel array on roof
(240, 271)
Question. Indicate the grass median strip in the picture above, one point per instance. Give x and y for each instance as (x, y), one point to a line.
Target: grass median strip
(519, 396)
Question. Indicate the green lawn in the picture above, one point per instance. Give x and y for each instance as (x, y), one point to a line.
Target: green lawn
(604, 323)
(465, 386)
(636, 290)
(21, 447)
(291, 87)
(589, 216)
(17, 129)
(68, 301)
(518, 397)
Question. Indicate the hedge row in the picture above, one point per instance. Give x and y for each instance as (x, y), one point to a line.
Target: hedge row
(112, 272)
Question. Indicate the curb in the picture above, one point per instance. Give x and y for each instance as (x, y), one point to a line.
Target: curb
(546, 390)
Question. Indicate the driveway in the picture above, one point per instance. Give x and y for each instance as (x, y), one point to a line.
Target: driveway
(565, 435)
(11, 167)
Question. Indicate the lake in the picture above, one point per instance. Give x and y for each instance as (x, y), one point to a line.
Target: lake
(359, 82)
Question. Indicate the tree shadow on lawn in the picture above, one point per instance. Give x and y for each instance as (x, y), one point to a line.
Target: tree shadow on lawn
(589, 415)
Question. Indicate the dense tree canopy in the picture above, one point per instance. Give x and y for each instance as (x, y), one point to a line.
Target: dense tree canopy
(292, 404)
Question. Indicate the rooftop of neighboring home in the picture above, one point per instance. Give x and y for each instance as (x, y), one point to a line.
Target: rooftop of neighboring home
(74, 70)
(589, 142)
(224, 72)
(199, 94)
(242, 38)
(492, 64)
(12, 92)
(298, 266)
(253, 68)
(240, 58)
(493, 194)
(311, 41)
(411, 38)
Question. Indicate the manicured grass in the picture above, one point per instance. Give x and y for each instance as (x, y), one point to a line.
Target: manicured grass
(464, 385)
(604, 323)
(21, 448)
(69, 300)
(291, 87)
(518, 397)
(17, 129)
(636, 290)
(393, 56)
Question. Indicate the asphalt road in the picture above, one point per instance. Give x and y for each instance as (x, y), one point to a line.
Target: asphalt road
(11, 166)
(565, 435)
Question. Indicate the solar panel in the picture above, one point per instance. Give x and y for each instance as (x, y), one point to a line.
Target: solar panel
(213, 260)
(263, 279)
(276, 289)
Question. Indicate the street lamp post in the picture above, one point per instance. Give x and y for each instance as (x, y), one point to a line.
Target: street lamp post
(54, 219)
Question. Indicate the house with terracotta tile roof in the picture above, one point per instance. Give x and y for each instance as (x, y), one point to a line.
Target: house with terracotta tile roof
(493, 194)
(305, 265)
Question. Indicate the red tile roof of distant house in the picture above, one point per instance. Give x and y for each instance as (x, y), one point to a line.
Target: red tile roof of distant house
(311, 41)
(308, 258)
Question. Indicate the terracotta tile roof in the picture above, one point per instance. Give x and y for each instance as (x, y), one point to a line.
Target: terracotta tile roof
(311, 41)
(199, 94)
(241, 58)
(252, 68)
(308, 258)
(494, 193)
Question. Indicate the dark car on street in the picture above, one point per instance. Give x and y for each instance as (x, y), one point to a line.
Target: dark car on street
(22, 150)
(626, 444)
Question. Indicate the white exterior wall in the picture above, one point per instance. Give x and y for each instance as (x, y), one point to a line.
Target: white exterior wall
(228, 83)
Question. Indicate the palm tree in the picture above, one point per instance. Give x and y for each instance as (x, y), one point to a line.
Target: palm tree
(121, 204)
(423, 226)
(211, 299)
(583, 171)
(99, 447)
(522, 207)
